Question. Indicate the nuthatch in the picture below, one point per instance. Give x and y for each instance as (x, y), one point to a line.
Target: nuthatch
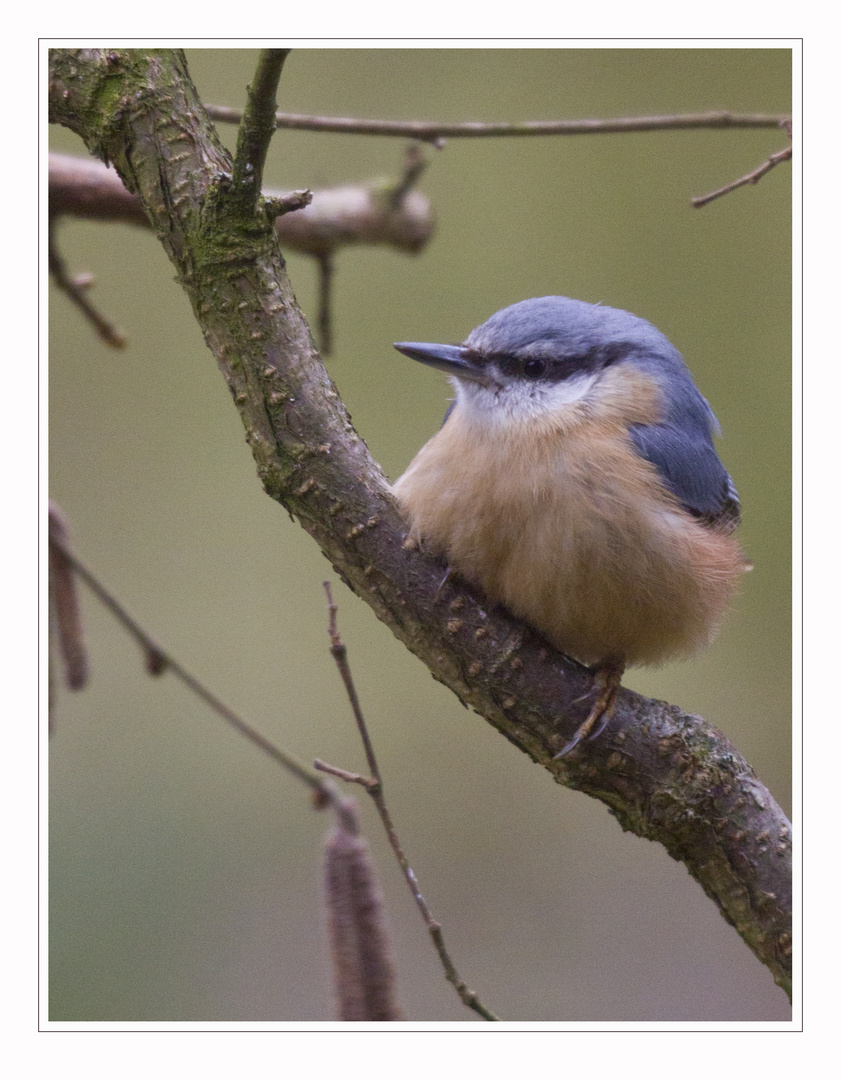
(575, 482)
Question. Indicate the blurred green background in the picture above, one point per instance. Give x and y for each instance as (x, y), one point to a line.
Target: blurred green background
(185, 869)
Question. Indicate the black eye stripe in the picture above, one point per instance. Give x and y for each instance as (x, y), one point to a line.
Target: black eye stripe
(610, 354)
(556, 369)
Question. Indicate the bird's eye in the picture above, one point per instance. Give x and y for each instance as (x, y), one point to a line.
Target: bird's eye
(533, 369)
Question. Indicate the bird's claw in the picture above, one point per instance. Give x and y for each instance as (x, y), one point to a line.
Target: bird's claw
(607, 681)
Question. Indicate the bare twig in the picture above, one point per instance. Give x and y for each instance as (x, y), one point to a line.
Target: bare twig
(432, 132)
(374, 786)
(414, 165)
(75, 288)
(159, 660)
(751, 178)
(338, 651)
(343, 774)
(326, 268)
(258, 124)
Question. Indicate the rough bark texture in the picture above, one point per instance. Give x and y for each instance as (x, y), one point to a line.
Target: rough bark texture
(665, 775)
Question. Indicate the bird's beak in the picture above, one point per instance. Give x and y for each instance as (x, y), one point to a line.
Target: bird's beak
(454, 359)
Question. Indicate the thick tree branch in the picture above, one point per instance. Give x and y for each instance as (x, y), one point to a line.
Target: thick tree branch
(665, 775)
(334, 218)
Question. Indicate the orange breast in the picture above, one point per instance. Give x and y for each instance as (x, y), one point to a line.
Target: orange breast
(562, 522)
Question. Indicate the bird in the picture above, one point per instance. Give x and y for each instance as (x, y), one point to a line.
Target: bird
(575, 482)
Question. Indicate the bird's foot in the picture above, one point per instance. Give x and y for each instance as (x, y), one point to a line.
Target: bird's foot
(607, 682)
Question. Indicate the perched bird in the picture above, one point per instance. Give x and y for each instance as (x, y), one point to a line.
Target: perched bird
(575, 482)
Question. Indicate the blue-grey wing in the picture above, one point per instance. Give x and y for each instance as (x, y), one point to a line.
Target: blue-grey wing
(691, 469)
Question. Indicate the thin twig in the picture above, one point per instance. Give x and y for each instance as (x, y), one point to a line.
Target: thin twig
(343, 774)
(750, 178)
(432, 132)
(326, 269)
(414, 164)
(375, 790)
(159, 660)
(258, 123)
(338, 651)
(75, 289)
